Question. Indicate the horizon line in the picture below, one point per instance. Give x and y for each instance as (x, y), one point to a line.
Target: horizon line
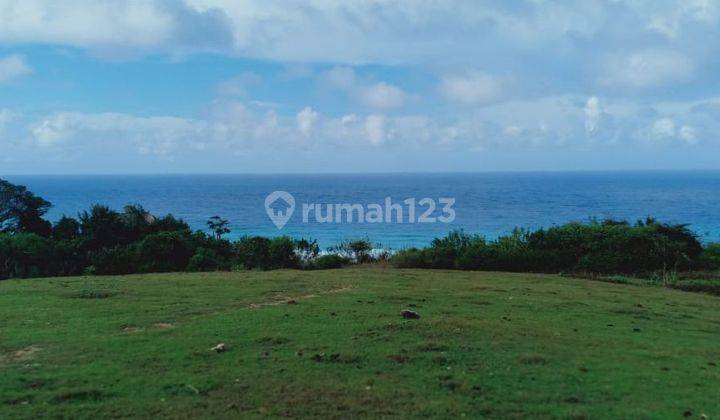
(521, 171)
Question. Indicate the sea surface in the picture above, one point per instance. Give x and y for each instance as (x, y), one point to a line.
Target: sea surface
(490, 204)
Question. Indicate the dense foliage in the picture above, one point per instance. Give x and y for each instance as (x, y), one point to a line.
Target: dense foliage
(608, 247)
(21, 210)
(104, 241)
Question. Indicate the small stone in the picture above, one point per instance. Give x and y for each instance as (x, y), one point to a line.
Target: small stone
(408, 314)
(219, 348)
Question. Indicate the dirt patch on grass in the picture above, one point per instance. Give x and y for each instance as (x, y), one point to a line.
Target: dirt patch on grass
(285, 300)
(164, 325)
(130, 329)
(20, 355)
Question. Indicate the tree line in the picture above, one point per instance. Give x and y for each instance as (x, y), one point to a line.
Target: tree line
(101, 240)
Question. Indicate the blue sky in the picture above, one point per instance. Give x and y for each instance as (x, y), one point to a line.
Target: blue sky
(186, 86)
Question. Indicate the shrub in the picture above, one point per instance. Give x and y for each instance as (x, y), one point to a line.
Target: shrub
(266, 254)
(164, 251)
(282, 253)
(602, 247)
(206, 260)
(71, 259)
(116, 260)
(710, 257)
(326, 262)
(253, 252)
(357, 250)
(27, 255)
(409, 258)
(66, 229)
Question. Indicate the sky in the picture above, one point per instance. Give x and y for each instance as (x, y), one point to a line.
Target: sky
(321, 86)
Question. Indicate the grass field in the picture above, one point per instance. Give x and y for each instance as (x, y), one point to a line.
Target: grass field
(333, 344)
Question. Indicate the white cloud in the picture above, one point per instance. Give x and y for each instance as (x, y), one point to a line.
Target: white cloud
(687, 134)
(340, 77)
(592, 114)
(13, 67)
(238, 85)
(231, 128)
(647, 69)
(381, 95)
(375, 129)
(683, 15)
(378, 95)
(161, 136)
(473, 88)
(456, 33)
(664, 127)
(306, 120)
(124, 25)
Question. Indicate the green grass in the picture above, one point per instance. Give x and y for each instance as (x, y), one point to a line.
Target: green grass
(487, 344)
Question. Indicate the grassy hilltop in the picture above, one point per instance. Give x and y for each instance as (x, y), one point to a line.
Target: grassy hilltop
(333, 344)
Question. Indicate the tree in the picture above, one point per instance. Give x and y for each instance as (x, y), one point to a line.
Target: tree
(103, 227)
(66, 229)
(21, 211)
(219, 226)
(307, 249)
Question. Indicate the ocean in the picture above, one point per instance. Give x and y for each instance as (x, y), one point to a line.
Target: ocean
(490, 204)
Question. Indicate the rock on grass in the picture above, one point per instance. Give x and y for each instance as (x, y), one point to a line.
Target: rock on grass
(408, 314)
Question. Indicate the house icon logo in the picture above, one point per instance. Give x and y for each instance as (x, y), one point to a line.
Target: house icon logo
(279, 206)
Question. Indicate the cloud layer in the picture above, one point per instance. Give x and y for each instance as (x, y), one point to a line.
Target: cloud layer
(490, 78)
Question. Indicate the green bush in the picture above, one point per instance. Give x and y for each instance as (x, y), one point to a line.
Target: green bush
(255, 252)
(116, 260)
(27, 255)
(409, 258)
(102, 227)
(206, 260)
(608, 247)
(104, 241)
(710, 257)
(163, 252)
(252, 252)
(282, 253)
(326, 262)
(66, 229)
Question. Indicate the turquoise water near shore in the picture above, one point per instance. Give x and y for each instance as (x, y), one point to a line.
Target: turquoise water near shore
(487, 203)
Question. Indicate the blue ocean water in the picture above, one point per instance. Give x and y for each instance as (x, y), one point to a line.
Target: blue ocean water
(487, 203)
